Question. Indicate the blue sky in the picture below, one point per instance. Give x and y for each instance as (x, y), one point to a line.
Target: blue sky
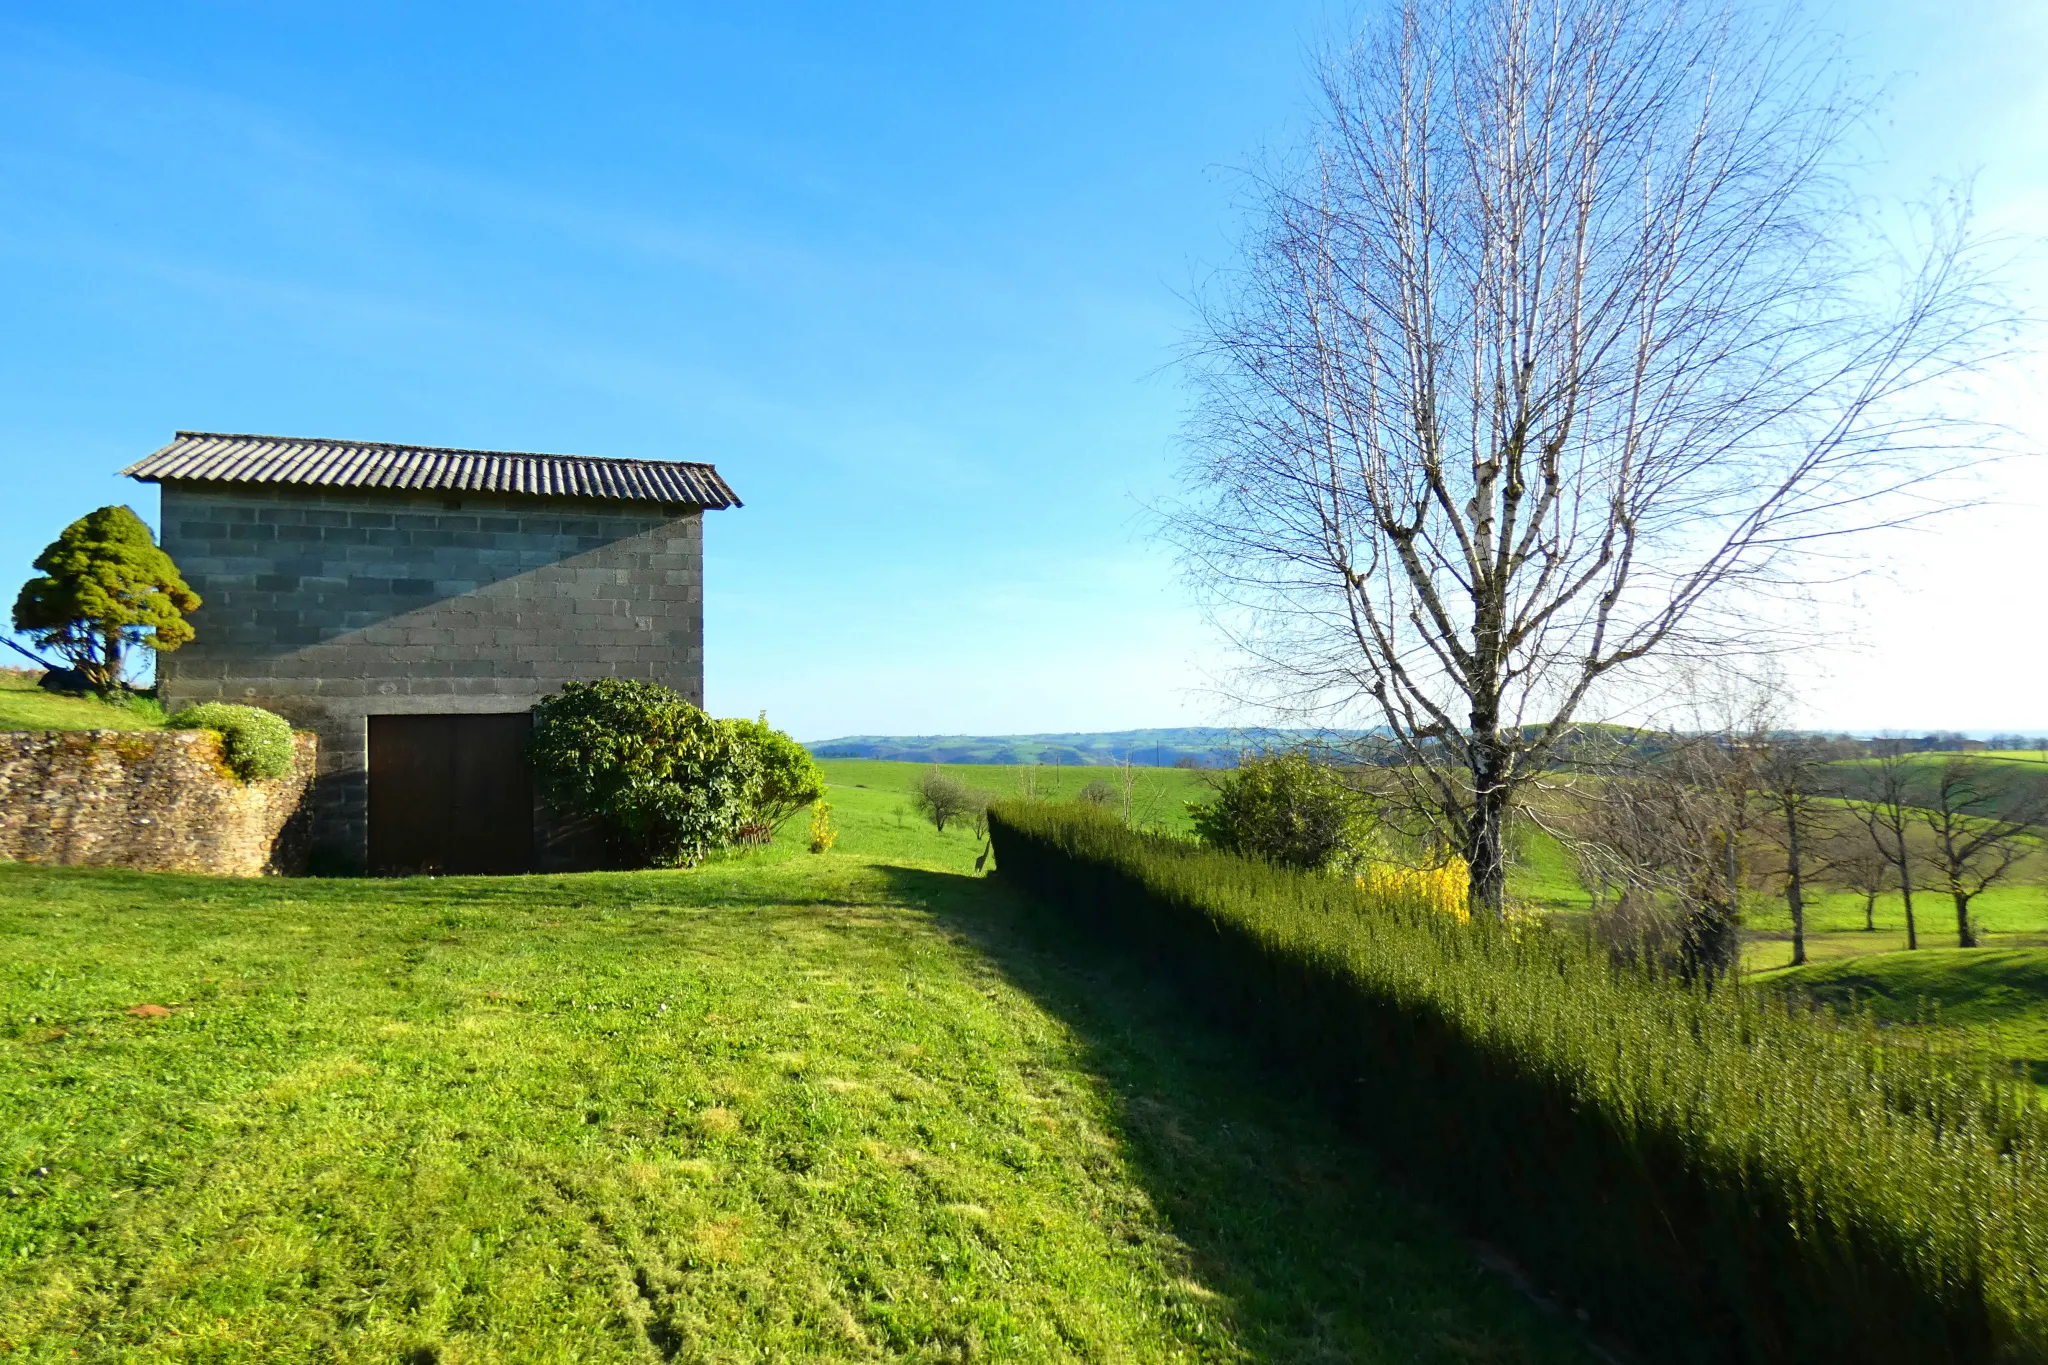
(912, 276)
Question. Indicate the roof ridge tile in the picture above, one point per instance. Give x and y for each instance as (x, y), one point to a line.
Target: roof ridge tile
(224, 457)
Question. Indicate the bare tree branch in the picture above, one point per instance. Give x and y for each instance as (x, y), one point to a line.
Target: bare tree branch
(1552, 354)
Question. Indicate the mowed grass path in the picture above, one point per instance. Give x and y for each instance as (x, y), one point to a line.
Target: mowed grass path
(778, 1108)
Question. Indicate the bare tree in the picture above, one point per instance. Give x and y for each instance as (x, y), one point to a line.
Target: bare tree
(1788, 776)
(1664, 825)
(1889, 817)
(1554, 349)
(942, 798)
(1856, 863)
(1981, 823)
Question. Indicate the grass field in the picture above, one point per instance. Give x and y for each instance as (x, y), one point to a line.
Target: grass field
(1996, 998)
(2010, 917)
(865, 1106)
(853, 1107)
(24, 706)
(871, 798)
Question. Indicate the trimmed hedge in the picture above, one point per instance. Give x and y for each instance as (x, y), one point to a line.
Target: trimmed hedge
(255, 743)
(1718, 1176)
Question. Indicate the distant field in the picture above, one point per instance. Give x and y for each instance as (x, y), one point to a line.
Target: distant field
(872, 796)
(1210, 746)
(2023, 778)
(1993, 997)
(24, 706)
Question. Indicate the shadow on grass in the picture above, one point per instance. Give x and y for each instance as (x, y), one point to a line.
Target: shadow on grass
(1282, 1215)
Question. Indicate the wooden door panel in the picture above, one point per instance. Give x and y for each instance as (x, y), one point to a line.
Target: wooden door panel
(491, 809)
(450, 794)
(411, 784)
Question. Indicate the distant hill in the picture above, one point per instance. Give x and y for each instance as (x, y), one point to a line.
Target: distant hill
(1208, 746)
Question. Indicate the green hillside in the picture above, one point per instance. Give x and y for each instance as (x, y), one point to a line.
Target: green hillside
(871, 798)
(1996, 997)
(2020, 785)
(24, 706)
(1208, 746)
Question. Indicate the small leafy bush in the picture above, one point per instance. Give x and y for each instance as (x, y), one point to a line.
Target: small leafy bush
(1720, 1175)
(1287, 809)
(255, 743)
(668, 783)
(786, 780)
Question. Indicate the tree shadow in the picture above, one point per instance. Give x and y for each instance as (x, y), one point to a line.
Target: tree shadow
(1315, 1254)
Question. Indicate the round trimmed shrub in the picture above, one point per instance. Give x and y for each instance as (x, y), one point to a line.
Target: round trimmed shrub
(254, 742)
(1287, 809)
(667, 782)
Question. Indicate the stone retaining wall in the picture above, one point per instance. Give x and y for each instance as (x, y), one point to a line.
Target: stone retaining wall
(151, 800)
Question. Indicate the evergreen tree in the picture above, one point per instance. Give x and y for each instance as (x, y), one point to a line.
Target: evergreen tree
(105, 588)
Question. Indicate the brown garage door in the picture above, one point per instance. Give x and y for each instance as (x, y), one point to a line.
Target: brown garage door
(450, 794)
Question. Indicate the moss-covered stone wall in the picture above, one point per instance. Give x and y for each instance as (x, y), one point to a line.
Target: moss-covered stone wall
(154, 800)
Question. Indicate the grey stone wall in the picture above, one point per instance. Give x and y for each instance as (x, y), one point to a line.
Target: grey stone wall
(329, 606)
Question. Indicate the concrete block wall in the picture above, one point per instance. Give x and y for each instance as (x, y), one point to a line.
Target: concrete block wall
(329, 606)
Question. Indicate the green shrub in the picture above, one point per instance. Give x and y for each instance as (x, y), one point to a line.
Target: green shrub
(1718, 1175)
(786, 779)
(254, 743)
(1286, 809)
(668, 783)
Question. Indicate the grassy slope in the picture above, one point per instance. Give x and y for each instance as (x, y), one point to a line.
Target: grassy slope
(1995, 996)
(867, 792)
(1543, 877)
(23, 706)
(852, 1107)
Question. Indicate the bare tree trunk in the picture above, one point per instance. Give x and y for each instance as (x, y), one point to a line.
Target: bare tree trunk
(1486, 852)
(1870, 912)
(1906, 893)
(1795, 891)
(1966, 935)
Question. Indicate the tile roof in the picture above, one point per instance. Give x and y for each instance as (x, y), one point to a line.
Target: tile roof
(211, 457)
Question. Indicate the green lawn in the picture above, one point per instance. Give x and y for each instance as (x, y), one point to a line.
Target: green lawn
(1543, 877)
(871, 798)
(1994, 997)
(24, 706)
(2010, 917)
(853, 1107)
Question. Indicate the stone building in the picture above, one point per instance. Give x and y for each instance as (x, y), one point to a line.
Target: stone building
(409, 605)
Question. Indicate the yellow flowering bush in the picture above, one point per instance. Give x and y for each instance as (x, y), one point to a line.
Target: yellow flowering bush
(823, 835)
(1446, 889)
